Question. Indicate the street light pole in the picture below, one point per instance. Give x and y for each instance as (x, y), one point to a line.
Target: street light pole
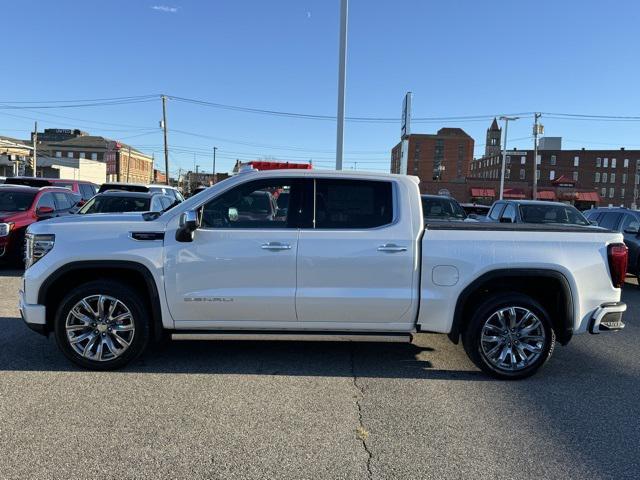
(504, 151)
(164, 133)
(342, 74)
(536, 130)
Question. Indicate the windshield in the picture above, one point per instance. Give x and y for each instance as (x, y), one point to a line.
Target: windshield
(104, 204)
(15, 201)
(561, 214)
(441, 208)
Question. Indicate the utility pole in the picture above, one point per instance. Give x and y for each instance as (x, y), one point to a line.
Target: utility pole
(504, 152)
(35, 149)
(164, 131)
(153, 166)
(537, 129)
(342, 78)
(213, 174)
(128, 162)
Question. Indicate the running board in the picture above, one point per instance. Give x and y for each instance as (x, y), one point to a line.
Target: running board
(391, 337)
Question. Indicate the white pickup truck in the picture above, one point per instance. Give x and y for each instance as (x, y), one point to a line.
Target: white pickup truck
(317, 255)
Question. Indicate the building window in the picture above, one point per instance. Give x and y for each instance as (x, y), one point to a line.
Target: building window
(523, 160)
(537, 174)
(69, 154)
(622, 192)
(58, 154)
(508, 158)
(552, 175)
(522, 174)
(538, 159)
(553, 159)
(576, 161)
(613, 178)
(605, 162)
(507, 173)
(597, 180)
(575, 176)
(613, 163)
(624, 178)
(603, 192)
(625, 163)
(598, 162)
(94, 156)
(83, 155)
(612, 192)
(604, 177)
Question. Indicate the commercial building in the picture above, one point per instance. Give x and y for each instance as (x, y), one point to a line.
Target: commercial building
(445, 156)
(14, 155)
(72, 169)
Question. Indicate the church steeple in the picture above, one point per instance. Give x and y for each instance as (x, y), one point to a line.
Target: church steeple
(494, 137)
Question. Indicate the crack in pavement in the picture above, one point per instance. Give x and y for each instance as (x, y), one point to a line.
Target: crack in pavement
(361, 431)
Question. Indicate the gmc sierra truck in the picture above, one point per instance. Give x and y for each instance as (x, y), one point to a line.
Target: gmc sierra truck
(344, 256)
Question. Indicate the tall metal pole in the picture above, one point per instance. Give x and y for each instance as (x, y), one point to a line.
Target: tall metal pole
(213, 174)
(35, 149)
(534, 194)
(164, 131)
(342, 77)
(504, 152)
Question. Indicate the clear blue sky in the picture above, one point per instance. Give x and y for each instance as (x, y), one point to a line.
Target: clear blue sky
(463, 57)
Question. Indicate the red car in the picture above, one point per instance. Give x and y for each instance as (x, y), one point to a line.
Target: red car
(20, 206)
(85, 189)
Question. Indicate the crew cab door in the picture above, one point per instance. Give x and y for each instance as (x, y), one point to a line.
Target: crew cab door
(356, 265)
(240, 268)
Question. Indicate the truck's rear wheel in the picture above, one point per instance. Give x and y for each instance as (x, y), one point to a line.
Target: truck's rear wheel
(510, 336)
(101, 325)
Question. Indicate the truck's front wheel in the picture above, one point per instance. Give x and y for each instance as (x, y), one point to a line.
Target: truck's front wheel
(510, 336)
(101, 325)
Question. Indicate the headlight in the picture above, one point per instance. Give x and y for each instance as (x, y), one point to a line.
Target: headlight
(37, 246)
(5, 228)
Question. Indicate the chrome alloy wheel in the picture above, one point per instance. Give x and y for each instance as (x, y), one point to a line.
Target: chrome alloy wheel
(100, 327)
(512, 338)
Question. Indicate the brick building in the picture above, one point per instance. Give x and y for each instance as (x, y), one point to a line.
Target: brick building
(124, 163)
(445, 156)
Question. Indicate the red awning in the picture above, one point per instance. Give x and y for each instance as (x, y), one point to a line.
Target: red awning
(546, 195)
(514, 193)
(588, 197)
(483, 192)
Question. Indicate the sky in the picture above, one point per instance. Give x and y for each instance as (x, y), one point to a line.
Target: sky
(460, 58)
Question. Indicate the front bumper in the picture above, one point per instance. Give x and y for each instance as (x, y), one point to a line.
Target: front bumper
(607, 317)
(33, 315)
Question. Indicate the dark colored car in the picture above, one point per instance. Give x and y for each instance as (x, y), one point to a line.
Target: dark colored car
(536, 211)
(475, 209)
(625, 221)
(20, 206)
(85, 189)
(137, 187)
(438, 208)
(121, 201)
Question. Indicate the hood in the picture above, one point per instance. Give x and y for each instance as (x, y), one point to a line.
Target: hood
(8, 216)
(111, 221)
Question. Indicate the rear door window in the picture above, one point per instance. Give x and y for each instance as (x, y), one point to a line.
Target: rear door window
(86, 191)
(352, 204)
(609, 220)
(63, 201)
(496, 210)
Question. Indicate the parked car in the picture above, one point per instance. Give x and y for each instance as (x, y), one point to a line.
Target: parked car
(480, 211)
(536, 211)
(83, 188)
(20, 206)
(137, 187)
(625, 221)
(121, 201)
(438, 208)
(351, 260)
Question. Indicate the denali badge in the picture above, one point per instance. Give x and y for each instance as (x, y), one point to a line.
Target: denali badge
(208, 299)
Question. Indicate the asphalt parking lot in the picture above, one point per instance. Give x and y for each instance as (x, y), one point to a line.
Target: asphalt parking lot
(317, 410)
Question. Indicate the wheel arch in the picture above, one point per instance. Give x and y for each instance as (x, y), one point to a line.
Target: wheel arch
(131, 273)
(549, 287)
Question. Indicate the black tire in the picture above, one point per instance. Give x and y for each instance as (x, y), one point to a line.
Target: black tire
(473, 346)
(139, 317)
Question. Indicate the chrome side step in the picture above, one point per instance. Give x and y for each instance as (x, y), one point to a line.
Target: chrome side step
(391, 337)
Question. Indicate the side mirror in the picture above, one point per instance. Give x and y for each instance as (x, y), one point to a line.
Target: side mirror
(232, 214)
(44, 212)
(506, 220)
(189, 223)
(633, 230)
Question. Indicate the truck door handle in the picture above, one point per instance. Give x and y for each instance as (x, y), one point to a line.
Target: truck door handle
(276, 246)
(391, 247)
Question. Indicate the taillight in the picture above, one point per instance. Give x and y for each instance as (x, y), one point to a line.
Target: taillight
(618, 254)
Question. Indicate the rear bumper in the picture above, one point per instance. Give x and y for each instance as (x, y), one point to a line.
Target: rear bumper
(607, 317)
(33, 315)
